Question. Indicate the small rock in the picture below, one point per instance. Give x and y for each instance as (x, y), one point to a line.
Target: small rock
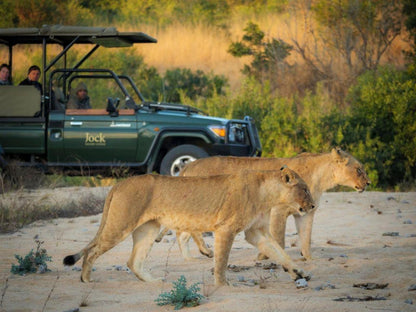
(405, 202)
(301, 283)
(73, 310)
(410, 235)
(399, 211)
(76, 268)
(343, 256)
(391, 234)
(391, 198)
(325, 286)
(407, 222)
(412, 287)
(241, 279)
(408, 301)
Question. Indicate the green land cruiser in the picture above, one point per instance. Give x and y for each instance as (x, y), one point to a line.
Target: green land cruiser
(121, 129)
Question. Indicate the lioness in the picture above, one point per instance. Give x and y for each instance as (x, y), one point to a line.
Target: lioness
(320, 172)
(224, 204)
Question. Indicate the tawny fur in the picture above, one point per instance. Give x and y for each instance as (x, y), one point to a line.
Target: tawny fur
(321, 172)
(225, 205)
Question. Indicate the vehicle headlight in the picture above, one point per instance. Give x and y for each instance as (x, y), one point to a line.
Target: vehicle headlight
(237, 133)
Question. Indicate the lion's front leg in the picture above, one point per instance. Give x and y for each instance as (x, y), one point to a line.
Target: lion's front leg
(267, 245)
(143, 238)
(222, 246)
(277, 228)
(304, 228)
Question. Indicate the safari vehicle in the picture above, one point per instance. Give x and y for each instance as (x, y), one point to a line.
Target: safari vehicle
(121, 128)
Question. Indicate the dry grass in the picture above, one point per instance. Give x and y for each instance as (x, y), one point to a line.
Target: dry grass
(28, 195)
(17, 213)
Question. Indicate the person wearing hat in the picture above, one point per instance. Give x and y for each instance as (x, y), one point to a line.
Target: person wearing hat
(79, 99)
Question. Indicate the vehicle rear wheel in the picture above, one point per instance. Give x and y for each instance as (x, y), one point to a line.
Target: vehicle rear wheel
(178, 157)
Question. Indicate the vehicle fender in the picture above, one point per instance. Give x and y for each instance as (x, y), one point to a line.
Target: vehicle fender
(167, 134)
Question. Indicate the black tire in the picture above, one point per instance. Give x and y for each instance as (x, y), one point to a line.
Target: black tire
(178, 157)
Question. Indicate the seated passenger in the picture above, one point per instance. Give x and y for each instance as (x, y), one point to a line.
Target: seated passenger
(32, 79)
(80, 98)
(4, 75)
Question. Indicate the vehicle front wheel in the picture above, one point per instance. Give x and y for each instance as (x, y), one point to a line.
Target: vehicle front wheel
(178, 157)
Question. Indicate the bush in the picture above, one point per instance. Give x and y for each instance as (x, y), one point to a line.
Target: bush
(180, 296)
(33, 262)
(381, 128)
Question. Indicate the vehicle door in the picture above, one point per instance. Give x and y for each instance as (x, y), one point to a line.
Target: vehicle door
(95, 135)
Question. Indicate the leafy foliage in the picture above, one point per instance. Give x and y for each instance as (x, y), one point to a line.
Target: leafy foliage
(383, 117)
(33, 262)
(191, 84)
(181, 296)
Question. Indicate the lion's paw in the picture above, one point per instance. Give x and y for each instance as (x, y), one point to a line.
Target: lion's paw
(301, 274)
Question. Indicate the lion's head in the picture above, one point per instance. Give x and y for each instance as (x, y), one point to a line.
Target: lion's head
(350, 171)
(300, 195)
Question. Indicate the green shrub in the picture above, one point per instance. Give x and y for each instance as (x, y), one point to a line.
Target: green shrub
(33, 262)
(180, 296)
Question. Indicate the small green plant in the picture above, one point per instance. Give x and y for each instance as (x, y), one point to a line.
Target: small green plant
(33, 262)
(180, 296)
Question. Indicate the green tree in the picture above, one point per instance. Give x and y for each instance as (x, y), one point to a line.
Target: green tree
(268, 55)
(382, 125)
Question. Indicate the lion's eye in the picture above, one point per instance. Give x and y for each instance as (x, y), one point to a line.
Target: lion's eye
(359, 171)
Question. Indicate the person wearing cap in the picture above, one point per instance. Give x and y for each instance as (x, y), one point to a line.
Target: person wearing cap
(79, 99)
(32, 79)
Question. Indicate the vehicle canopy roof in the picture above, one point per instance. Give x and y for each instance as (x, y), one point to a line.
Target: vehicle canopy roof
(65, 35)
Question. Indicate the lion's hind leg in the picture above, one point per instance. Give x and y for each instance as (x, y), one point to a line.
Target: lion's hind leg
(105, 239)
(161, 234)
(183, 242)
(143, 238)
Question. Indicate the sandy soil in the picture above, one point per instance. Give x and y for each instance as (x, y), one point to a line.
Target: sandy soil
(352, 244)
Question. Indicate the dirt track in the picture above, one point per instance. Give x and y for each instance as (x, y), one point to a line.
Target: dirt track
(352, 245)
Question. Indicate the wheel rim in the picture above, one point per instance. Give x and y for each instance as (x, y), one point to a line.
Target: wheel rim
(179, 163)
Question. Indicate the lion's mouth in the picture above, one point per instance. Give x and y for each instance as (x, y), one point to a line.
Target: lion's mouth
(301, 211)
(359, 189)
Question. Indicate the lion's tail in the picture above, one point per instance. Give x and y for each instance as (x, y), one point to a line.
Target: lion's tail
(72, 259)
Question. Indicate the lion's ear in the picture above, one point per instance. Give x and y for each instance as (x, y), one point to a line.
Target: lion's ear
(287, 175)
(338, 155)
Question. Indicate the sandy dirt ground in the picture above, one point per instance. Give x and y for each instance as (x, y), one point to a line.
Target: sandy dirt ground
(366, 239)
